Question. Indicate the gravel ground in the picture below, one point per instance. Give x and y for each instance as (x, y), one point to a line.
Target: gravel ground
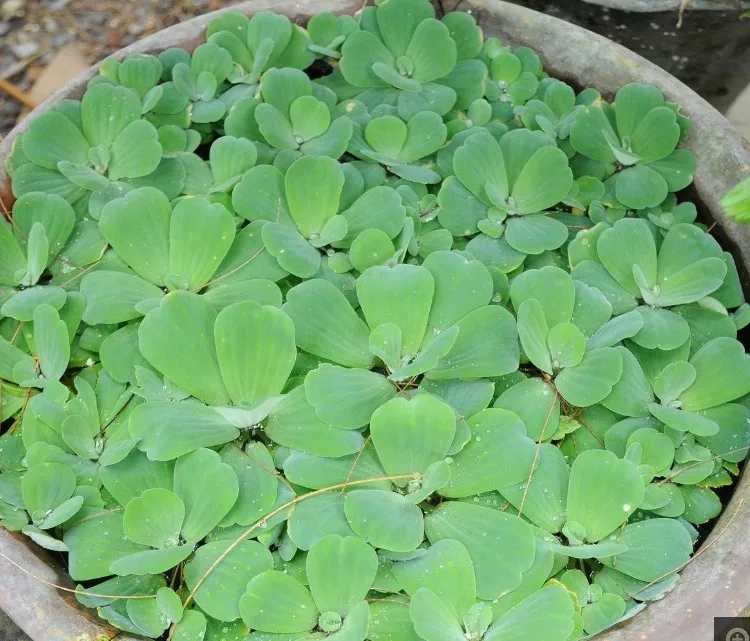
(32, 31)
(8, 631)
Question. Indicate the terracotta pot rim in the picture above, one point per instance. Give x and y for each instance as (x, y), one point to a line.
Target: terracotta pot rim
(717, 583)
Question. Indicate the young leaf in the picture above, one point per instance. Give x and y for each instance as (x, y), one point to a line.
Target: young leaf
(602, 507)
(168, 430)
(275, 602)
(137, 228)
(326, 325)
(313, 188)
(222, 589)
(255, 351)
(203, 511)
(499, 454)
(154, 518)
(401, 295)
(340, 572)
(410, 435)
(200, 235)
(52, 342)
(501, 546)
(177, 338)
(447, 570)
(385, 519)
(346, 398)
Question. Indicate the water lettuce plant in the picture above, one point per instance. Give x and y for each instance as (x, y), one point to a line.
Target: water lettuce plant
(360, 331)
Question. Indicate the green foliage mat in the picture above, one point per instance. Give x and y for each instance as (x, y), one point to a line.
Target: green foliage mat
(427, 348)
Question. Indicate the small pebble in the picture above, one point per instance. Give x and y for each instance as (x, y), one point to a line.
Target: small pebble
(24, 49)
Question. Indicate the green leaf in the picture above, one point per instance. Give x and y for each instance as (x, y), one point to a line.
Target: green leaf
(346, 398)
(136, 152)
(410, 435)
(656, 547)
(371, 247)
(177, 338)
(445, 569)
(454, 274)
(547, 615)
(22, 305)
(52, 342)
(629, 243)
(168, 430)
(385, 519)
(151, 561)
(318, 517)
(137, 228)
(291, 250)
(533, 332)
(191, 626)
(53, 138)
(551, 287)
(542, 183)
(169, 604)
(47, 486)
(684, 421)
(604, 613)
(276, 602)
(317, 472)
(602, 507)
(401, 295)
(378, 208)
(535, 234)
(640, 187)
(486, 346)
(224, 574)
(432, 618)
(501, 546)
(54, 214)
(590, 134)
(95, 543)
(534, 401)
(478, 163)
(317, 438)
(106, 110)
(313, 188)
(592, 380)
(255, 350)
(340, 572)
(12, 259)
(112, 297)
(146, 616)
(200, 235)
(657, 449)
(77, 435)
(499, 454)
(258, 485)
(326, 325)
(154, 518)
(595, 275)
(722, 369)
(120, 356)
(543, 496)
(566, 345)
(193, 473)
(690, 283)
(261, 195)
(632, 394)
(132, 475)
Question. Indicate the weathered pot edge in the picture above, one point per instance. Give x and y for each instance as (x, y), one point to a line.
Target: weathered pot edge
(723, 160)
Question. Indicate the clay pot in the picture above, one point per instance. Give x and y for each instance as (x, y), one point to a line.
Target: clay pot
(717, 581)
